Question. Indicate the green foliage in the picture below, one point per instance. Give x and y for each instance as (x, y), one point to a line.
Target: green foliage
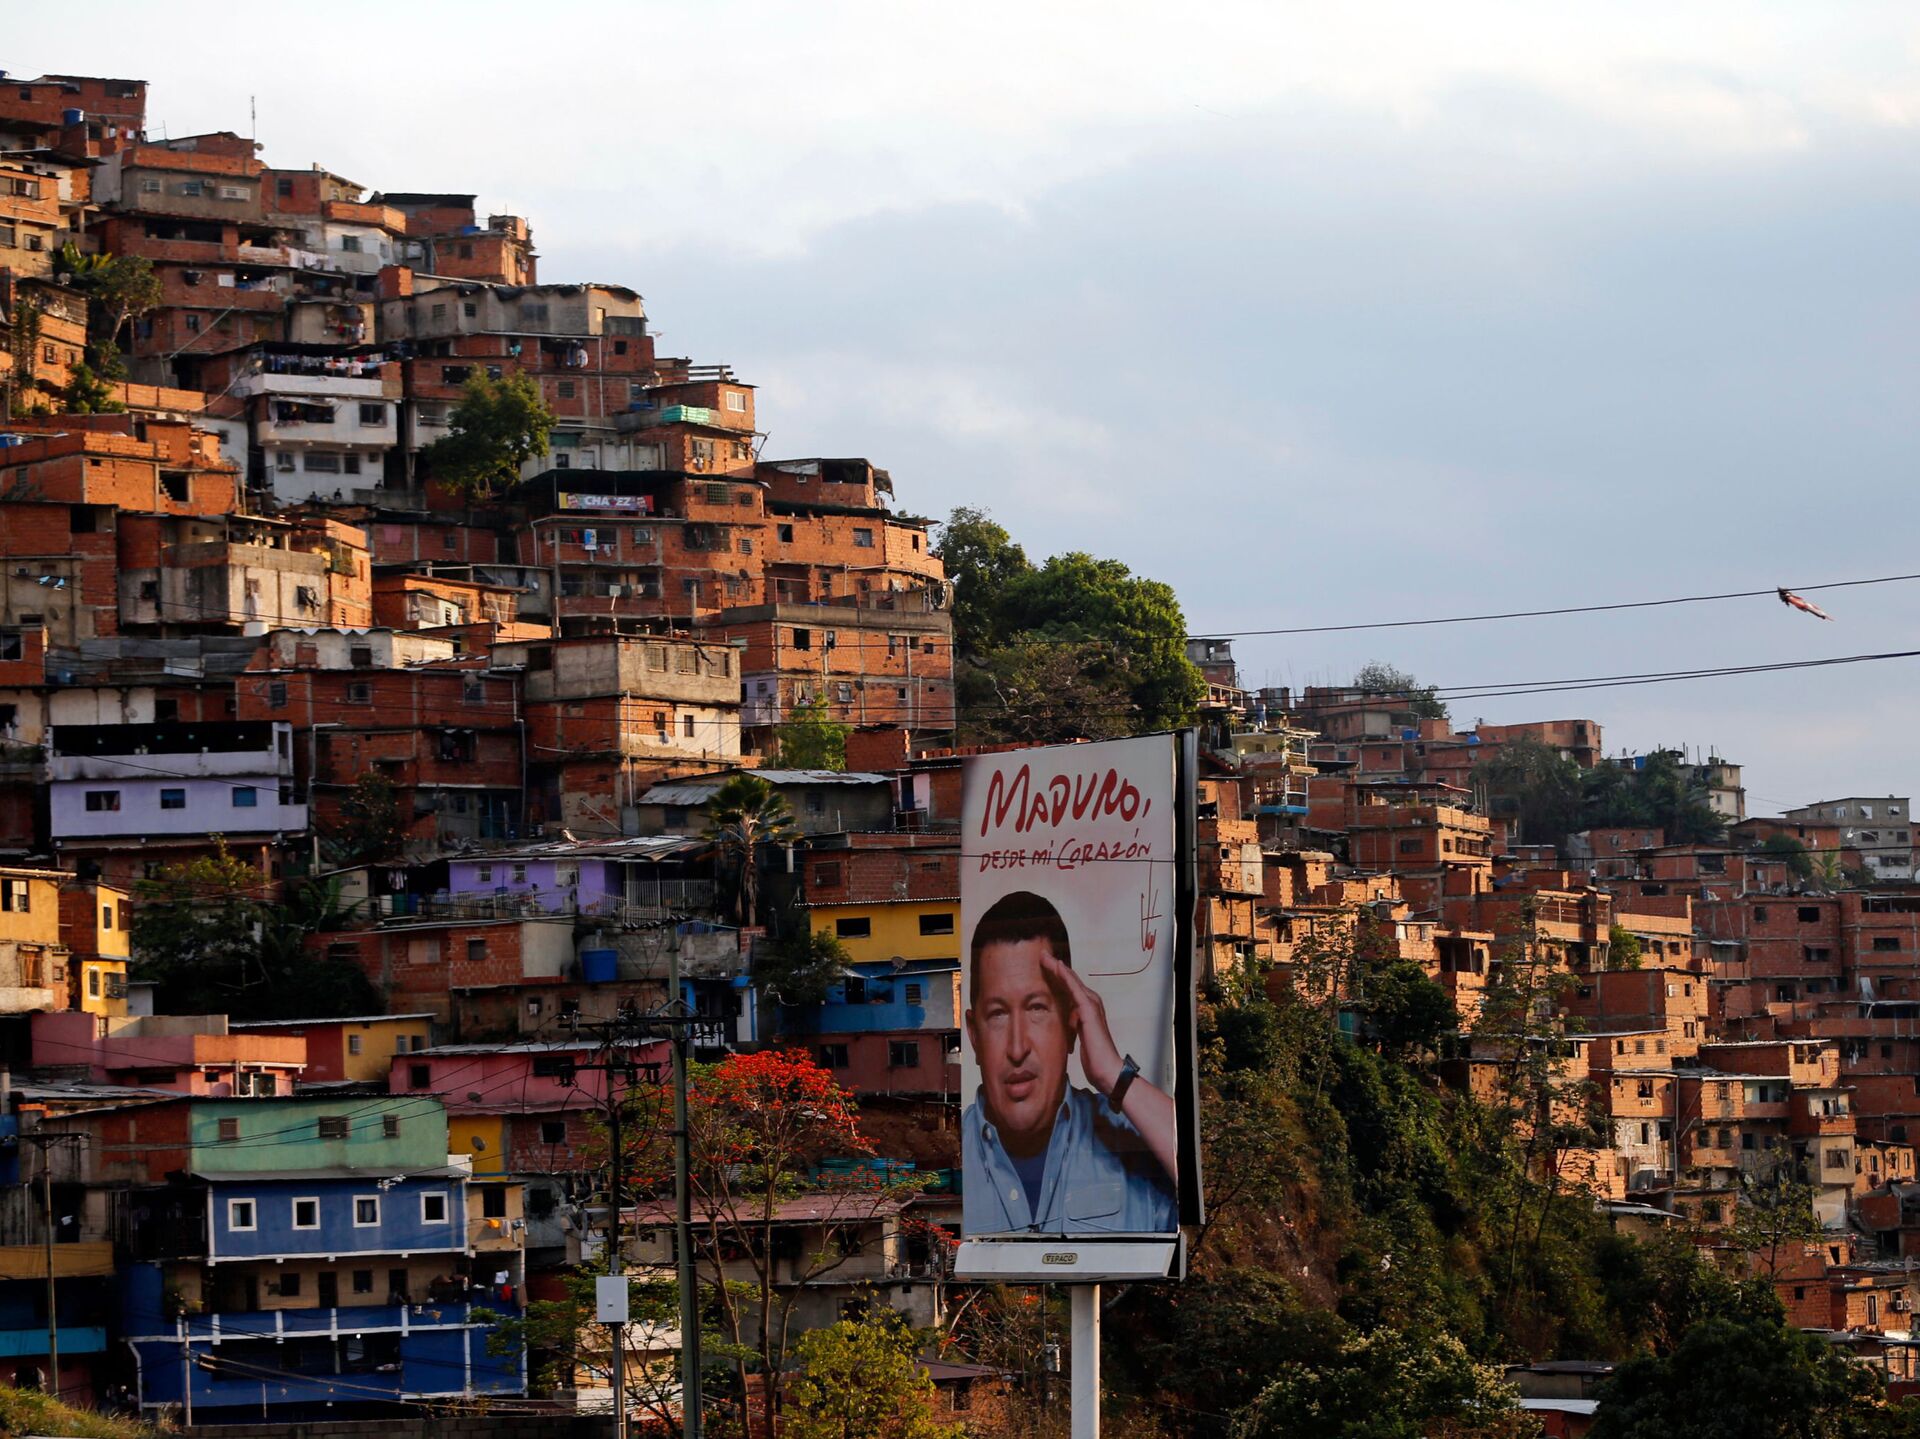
(801, 967)
(119, 289)
(1385, 1385)
(1076, 648)
(23, 345)
(1379, 678)
(1537, 787)
(1785, 846)
(1740, 1377)
(28, 1411)
(1550, 797)
(811, 739)
(208, 933)
(981, 560)
(1624, 950)
(372, 826)
(497, 426)
(744, 817)
(858, 1380)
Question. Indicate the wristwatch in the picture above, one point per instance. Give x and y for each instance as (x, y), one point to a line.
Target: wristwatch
(1128, 1072)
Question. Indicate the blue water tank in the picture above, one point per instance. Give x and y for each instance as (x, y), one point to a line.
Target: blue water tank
(599, 966)
(73, 117)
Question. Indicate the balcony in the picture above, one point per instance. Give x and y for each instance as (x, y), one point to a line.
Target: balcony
(352, 1319)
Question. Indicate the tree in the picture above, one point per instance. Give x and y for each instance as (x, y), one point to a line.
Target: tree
(858, 1379)
(1044, 694)
(1785, 846)
(745, 815)
(801, 967)
(23, 345)
(208, 932)
(1536, 786)
(371, 827)
(812, 739)
(1387, 1385)
(1379, 678)
(759, 1128)
(1623, 948)
(119, 289)
(1739, 1377)
(1078, 599)
(981, 560)
(496, 428)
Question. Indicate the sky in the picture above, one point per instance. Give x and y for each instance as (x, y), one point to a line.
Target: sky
(1321, 314)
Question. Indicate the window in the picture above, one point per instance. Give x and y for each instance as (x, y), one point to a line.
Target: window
(333, 1126)
(476, 950)
(784, 533)
(1809, 914)
(433, 1207)
(373, 416)
(834, 1056)
(17, 898)
(553, 1131)
(564, 389)
(99, 800)
(419, 1076)
(306, 1214)
(1409, 846)
(493, 1201)
(353, 1044)
(229, 1129)
(903, 1054)
(366, 1210)
(470, 310)
(363, 1281)
(853, 927)
(240, 1214)
(360, 694)
(173, 799)
(936, 923)
(289, 1282)
(737, 401)
(686, 726)
(827, 875)
(863, 539)
(390, 1126)
(1885, 943)
(277, 695)
(803, 639)
(245, 796)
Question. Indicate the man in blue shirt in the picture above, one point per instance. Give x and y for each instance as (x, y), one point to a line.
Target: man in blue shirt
(1039, 1156)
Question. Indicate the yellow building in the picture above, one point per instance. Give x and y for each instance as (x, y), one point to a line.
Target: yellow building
(892, 929)
(94, 923)
(33, 959)
(360, 1048)
(483, 1139)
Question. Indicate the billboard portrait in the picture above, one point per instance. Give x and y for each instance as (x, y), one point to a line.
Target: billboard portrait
(1071, 975)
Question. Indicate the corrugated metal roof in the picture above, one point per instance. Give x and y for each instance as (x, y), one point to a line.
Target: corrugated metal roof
(699, 791)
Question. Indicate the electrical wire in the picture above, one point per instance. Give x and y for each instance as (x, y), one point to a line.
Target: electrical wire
(1771, 592)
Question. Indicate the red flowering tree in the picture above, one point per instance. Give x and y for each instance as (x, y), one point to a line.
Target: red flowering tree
(769, 1219)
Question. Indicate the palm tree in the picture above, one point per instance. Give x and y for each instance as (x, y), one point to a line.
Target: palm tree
(744, 814)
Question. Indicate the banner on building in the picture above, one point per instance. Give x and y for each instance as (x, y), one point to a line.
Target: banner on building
(632, 504)
(1079, 1149)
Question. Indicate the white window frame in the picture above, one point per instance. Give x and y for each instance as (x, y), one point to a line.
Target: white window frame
(446, 1206)
(234, 1226)
(294, 1212)
(353, 1044)
(358, 1222)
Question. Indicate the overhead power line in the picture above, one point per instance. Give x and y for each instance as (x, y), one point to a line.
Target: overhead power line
(1770, 592)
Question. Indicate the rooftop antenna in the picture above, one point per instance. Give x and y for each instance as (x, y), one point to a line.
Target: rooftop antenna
(253, 118)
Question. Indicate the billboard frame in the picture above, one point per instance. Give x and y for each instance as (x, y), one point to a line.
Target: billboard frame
(1091, 1259)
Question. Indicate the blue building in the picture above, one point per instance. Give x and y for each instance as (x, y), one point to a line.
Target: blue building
(326, 1290)
(252, 1284)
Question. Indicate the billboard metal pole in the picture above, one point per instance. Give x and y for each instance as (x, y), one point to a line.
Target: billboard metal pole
(1086, 1360)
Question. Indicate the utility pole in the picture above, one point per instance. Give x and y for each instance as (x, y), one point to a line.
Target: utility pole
(44, 1143)
(691, 1419)
(678, 1020)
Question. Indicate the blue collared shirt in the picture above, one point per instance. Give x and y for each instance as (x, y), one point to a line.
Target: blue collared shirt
(1100, 1178)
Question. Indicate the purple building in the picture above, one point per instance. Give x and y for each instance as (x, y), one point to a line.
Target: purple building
(186, 781)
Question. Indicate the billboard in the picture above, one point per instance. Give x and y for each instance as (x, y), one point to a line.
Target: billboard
(1076, 899)
(637, 504)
